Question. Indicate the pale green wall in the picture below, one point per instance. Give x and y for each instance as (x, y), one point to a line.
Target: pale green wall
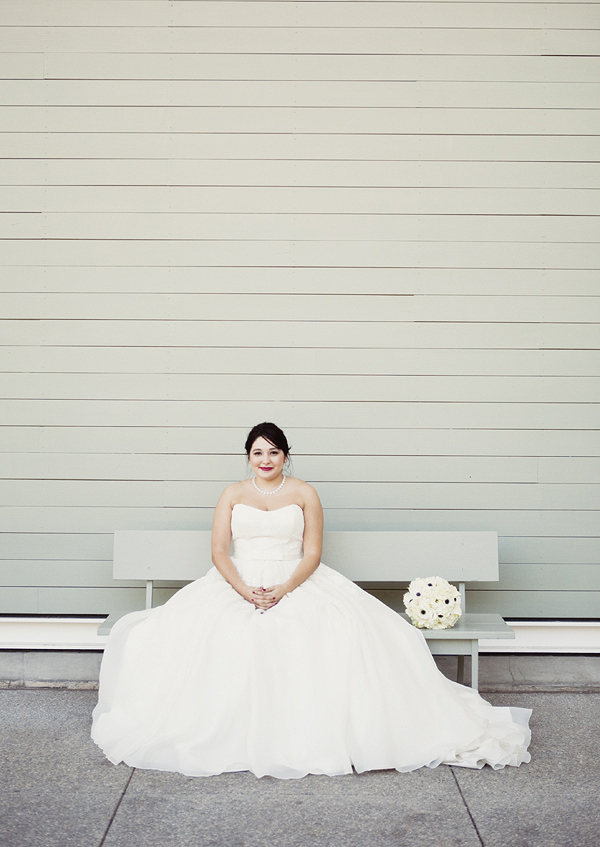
(381, 235)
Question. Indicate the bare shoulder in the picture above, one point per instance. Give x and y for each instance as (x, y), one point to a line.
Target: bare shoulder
(306, 494)
(231, 494)
(313, 515)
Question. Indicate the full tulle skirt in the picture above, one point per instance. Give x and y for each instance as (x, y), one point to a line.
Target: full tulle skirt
(326, 681)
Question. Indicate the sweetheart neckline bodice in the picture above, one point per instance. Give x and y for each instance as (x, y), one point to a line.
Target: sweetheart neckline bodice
(256, 509)
(278, 537)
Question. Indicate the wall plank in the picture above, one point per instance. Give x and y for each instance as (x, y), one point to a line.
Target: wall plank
(96, 601)
(213, 306)
(301, 388)
(148, 279)
(153, 494)
(290, 333)
(505, 229)
(19, 467)
(274, 66)
(21, 66)
(292, 119)
(501, 41)
(166, 412)
(212, 360)
(249, 253)
(295, 200)
(364, 307)
(301, 94)
(312, 441)
(106, 519)
(404, 174)
(287, 14)
(371, 146)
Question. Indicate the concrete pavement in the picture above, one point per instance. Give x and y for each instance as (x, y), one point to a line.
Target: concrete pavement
(59, 791)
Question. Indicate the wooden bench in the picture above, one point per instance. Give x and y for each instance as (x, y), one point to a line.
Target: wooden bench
(365, 557)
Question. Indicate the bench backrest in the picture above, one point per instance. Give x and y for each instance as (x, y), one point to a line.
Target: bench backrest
(393, 556)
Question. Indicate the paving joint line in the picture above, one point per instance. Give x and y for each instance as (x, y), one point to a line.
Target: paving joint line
(462, 797)
(116, 809)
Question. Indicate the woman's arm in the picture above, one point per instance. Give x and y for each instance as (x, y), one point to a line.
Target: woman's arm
(221, 542)
(312, 545)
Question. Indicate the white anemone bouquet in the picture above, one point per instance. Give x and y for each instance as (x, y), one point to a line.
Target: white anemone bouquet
(432, 603)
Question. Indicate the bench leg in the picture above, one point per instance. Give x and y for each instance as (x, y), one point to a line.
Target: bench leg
(460, 671)
(475, 665)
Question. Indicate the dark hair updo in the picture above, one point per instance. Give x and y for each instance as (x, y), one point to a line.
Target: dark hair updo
(271, 433)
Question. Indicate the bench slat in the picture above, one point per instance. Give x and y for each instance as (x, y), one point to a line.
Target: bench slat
(470, 626)
(402, 556)
(367, 556)
(161, 554)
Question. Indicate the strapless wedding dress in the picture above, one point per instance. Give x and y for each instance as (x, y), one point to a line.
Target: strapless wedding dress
(328, 680)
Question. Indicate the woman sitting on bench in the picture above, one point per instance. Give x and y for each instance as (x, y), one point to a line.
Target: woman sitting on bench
(276, 664)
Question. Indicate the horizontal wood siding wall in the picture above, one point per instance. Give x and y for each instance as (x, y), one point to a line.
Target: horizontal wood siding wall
(375, 223)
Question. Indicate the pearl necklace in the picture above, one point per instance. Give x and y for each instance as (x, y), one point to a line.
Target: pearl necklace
(266, 493)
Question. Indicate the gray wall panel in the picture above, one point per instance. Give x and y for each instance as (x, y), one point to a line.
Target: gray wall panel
(381, 235)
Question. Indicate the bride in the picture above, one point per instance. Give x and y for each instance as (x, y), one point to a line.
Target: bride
(276, 664)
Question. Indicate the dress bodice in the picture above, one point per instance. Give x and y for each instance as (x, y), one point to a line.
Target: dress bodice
(272, 535)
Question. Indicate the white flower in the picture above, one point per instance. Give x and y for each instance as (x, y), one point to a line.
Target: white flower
(432, 603)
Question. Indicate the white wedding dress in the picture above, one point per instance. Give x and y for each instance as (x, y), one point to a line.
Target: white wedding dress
(328, 680)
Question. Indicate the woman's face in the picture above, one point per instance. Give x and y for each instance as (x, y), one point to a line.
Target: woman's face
(266, 460)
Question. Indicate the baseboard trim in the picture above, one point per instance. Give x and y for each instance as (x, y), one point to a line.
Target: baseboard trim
(37, 633)
(548, 637)
(33, 633)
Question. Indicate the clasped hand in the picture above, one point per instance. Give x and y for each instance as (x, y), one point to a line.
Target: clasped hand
(266, 598)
